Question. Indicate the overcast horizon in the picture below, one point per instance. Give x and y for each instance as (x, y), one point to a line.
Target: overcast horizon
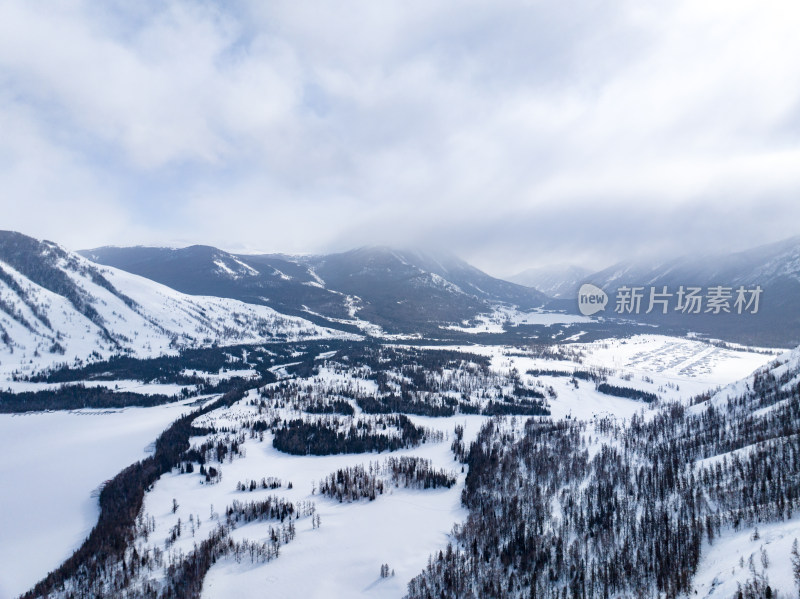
(514, 134)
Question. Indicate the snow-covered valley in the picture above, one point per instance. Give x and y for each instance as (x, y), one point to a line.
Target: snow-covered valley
(336, 548)
(278, 455)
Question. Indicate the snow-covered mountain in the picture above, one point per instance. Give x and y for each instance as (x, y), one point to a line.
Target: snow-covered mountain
(58, 307)
(401, 291)
(558, 281)
(768, 265)
(401, 288)
(774, 268)
(205, 270)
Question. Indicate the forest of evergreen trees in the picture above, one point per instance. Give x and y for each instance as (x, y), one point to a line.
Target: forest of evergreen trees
(73, 397)
(303, 437)
(360, 482)
(153, 573)
(627, 392)
(435, 383)
(423, 382)
(632, 517)
(171, 368)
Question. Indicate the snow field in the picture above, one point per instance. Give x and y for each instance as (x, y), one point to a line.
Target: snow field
(343, 557)
(54, 461)
(725, 563)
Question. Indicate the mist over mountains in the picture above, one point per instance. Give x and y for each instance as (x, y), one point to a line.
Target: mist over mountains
(405, 291)
(774, 268)
(560, 281)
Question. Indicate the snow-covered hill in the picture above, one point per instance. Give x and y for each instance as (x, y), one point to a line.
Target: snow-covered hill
(767, 265)
(678, 501)
(770, 272)
(57, 307)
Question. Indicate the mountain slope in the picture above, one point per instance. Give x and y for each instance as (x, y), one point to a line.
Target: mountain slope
(400, 291)
(57, 307)
(775, 268)
(203, 270)
(765, 264)
(678, 501)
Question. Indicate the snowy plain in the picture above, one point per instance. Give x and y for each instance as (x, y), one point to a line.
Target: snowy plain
(503, 317)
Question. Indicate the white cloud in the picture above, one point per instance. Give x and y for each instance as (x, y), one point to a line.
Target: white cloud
(399, 122)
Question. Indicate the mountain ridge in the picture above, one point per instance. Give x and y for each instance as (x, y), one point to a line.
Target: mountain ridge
(774, 267)
(401, 291)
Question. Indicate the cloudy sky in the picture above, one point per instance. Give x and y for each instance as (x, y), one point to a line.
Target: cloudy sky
(515, 133)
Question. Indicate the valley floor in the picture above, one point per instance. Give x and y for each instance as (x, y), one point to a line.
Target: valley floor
(53, 462)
